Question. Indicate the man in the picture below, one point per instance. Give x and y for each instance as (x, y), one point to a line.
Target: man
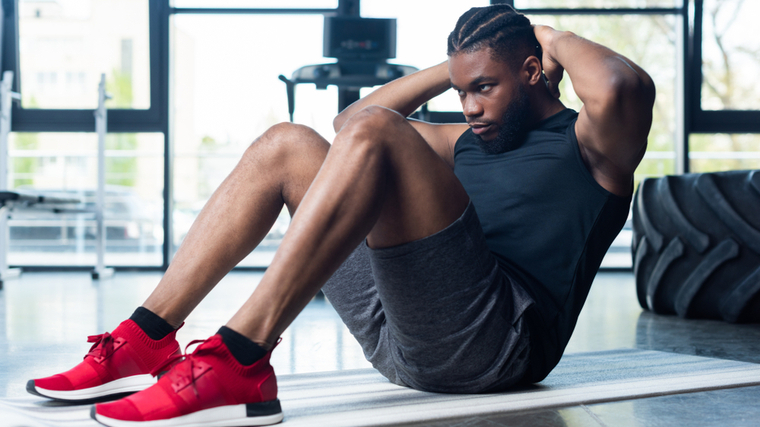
(389, 219)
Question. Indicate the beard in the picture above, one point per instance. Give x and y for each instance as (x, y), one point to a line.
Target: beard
(514, 126)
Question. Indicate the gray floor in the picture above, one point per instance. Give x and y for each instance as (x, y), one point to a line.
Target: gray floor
(46, 317)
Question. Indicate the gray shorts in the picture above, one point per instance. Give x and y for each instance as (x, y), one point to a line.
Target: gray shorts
(437, 314)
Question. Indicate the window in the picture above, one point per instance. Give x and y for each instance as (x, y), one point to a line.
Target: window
(65, 165)
(721, 152)
(264, 4)
(730, 57)
(608, 4)
(422, 31)
(64, 47)
(226, 93)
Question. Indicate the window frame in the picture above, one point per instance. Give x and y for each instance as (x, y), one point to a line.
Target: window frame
(154, 119)
(711, 121)
(692, 119)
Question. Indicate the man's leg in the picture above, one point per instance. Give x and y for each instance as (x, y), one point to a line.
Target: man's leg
(277, 169)
(381, 181)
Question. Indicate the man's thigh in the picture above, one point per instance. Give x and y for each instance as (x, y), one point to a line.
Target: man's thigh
(438, 313)
(414, 192)
(352, 292)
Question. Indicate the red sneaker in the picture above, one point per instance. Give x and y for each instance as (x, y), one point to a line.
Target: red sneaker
(208, 388)
(117, 363)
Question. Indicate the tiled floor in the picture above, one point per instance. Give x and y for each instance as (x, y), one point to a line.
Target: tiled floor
(45, 318)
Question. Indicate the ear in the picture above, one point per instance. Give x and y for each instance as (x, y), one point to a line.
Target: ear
(531, 71)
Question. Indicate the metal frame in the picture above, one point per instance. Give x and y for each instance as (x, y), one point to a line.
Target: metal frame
(7, 96)
(153, 119)
(713, 121)
(101, 127)
(156, 118)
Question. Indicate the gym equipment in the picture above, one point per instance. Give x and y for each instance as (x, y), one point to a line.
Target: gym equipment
(361, 47)
(11, 201)
(7, 96)
(101, 127)
(696, 245)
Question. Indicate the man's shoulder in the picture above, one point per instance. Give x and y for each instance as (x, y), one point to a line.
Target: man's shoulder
(559, 122)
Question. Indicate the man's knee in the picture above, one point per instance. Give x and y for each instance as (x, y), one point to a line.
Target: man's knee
(285, 142)
(378, 116)
(373, 127)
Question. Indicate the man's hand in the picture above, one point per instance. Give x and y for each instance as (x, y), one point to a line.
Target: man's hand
(553, 71)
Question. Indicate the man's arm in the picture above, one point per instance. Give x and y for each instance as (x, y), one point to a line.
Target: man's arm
(617, 96)
(405, 95)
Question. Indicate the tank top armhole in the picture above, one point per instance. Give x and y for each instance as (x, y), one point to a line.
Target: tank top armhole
(570, 132)
(459, 145)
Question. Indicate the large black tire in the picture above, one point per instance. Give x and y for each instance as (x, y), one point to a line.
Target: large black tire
(696, 245)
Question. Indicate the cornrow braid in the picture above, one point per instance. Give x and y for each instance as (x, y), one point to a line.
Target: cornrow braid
(509, 34)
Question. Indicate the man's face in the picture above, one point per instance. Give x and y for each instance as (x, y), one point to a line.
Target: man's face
(494, 101)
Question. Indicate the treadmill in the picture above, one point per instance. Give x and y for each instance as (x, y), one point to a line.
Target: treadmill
(361, 47)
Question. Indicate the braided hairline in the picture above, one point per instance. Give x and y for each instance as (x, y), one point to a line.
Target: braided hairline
(480, 33)
(508, 33)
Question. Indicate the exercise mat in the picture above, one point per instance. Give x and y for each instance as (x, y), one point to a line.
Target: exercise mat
(364, 398)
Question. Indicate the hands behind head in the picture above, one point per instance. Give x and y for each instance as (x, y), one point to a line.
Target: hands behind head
(553, 70)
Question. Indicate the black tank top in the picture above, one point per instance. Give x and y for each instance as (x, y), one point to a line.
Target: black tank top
(548, 222)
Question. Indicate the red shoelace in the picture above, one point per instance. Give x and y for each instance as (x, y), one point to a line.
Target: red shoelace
(103, 346)
(183, 371)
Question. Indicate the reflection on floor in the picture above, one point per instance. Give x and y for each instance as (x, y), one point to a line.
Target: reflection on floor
(46, 317)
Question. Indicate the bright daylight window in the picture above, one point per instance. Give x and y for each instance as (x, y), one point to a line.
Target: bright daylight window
(730, 55)
(65, 165)
(422, 30)
(264, 4)
(723, 152)
(225, 93)
(65, 45)
(522, 4)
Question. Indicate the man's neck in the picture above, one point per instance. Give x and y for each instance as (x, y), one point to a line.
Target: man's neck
(545, 108)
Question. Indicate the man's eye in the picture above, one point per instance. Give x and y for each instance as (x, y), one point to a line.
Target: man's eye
(460, 93)
(484, 87)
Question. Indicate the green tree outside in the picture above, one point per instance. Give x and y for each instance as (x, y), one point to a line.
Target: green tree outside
(726, 67)
(120, 170)
(25, 166)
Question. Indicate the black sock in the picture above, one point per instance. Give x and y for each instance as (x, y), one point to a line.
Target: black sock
(154, 326)
(243, 349)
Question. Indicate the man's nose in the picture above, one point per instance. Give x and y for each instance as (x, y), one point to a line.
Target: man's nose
(471, 107)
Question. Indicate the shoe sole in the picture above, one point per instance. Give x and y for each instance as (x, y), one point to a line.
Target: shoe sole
(122, 385)
(250, 414)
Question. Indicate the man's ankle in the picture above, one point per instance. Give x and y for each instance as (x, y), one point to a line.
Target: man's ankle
(153, 325)
(245, 351)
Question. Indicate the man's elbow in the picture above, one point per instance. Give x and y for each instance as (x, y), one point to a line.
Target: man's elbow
(645, 90)
(626, 95)
(632, 87)
(338, 121)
